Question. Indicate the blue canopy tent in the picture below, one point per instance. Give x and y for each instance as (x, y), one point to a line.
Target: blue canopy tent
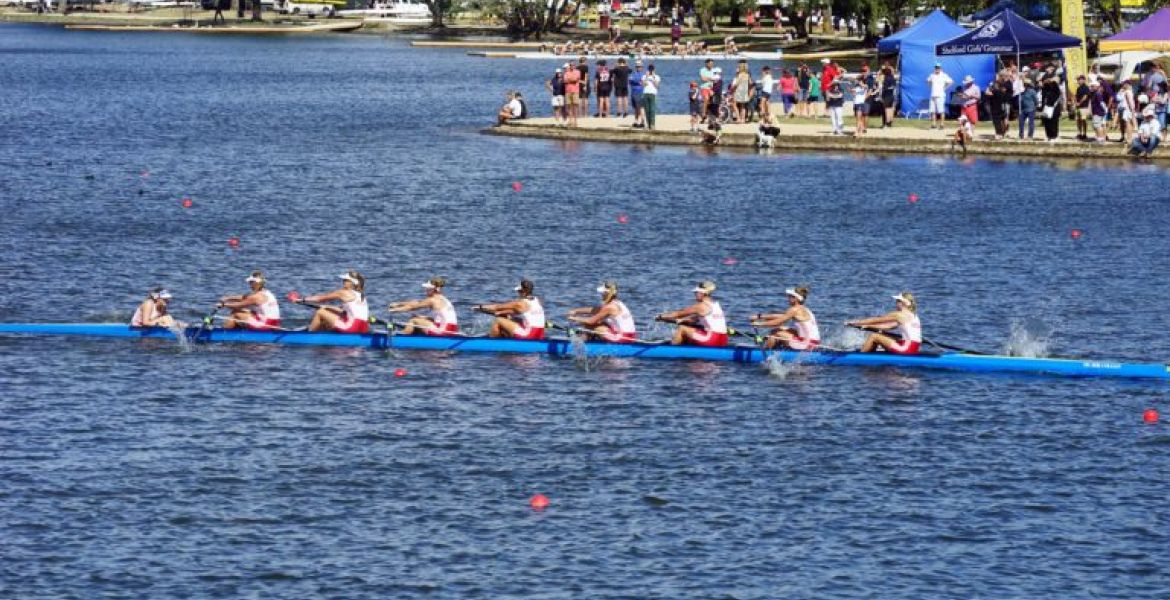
(915, 48)
(1006, 33)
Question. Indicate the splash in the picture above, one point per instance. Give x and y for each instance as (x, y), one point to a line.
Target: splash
(179, 329)
(1029, 339)
(779, 369)
(846, 338)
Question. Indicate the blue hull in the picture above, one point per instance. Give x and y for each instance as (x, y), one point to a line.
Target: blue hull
(565, 347)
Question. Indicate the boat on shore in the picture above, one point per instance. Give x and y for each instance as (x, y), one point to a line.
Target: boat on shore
(568, 347)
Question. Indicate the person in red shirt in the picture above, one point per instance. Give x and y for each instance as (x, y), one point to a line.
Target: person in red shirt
(572, 92)
(829, 73)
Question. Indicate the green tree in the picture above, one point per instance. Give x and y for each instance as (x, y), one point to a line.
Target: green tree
(440, 9)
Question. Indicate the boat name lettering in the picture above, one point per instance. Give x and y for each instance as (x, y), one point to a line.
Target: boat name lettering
(1101, 365)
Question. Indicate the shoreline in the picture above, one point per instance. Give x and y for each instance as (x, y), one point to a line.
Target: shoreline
(674, 130)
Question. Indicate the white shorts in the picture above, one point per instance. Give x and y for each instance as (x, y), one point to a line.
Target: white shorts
(558, 101)
(938, 105)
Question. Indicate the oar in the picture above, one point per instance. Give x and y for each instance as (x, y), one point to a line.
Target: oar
(296, 298)
(754, 335)
(207, 320)
(925, 341)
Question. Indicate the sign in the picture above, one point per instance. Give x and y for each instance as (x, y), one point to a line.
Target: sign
(1072, 22)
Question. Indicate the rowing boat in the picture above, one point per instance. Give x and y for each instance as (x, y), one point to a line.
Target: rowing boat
(952, 361)
(649, 58)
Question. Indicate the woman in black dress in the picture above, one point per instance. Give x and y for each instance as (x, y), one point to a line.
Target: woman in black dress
(1051, 99)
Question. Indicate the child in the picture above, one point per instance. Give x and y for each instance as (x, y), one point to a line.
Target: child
(964, 133)
(695, 96)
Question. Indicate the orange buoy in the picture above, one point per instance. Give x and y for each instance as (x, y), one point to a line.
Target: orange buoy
(400, 372)
(1150, 416)
(1076, 234)
(538, 502)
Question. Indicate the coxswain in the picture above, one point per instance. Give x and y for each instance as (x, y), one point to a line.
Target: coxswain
(701, 323)
(802, 335)
(522, 318)
(351, 316)
(902, 322)
(611, 321)
(152, 312)
(442, 319)
(257, 310)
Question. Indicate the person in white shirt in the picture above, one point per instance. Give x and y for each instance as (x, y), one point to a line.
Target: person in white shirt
(1149, 134)
(939, 82)
(511, 110)
(649, 105)
(767, 84)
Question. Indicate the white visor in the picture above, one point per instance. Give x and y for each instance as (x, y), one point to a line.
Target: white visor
(516, 289)
(901, 298)
(794, 294)
(428, 285)
(254, 279)
(163, 295)
(601, 289)
(349, 278)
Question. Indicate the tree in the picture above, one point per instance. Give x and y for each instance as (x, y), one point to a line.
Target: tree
(257, 10)
(439, 10)
(534, 18)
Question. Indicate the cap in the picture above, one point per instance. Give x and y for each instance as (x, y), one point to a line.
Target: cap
(963, 118)
(525, 286)
(902, 298)
(349, 278)
(160, 294)
(825, 61)
(560, 70)
(938, 65)
(794, 294)
(638, 63)
(256, 277)
(434, 283)
(706, 287)
(607, 287)
(968, 79)
(566, 66)
(1148, 112)
(694, 84)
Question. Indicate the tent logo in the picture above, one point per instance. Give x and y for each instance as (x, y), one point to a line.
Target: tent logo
(989, 30)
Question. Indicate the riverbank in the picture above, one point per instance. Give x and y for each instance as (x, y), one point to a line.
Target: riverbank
(906, 137)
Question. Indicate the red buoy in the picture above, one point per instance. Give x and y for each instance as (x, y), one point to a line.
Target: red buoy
(1076, 234)
(623, 218)
(539, 502)
(730, 261)
(400, 372)
(187, 203)
(516, 187)
(234, 242)
(913, 198)
(1150, 416)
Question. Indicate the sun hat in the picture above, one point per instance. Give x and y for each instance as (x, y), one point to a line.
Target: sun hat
(706, 287)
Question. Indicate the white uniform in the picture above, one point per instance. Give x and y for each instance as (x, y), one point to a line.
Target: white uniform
(714, 321)
(357, 308)
(808, 334)
(445, 318)
(531, 321)
(621, 327)
(267, 310)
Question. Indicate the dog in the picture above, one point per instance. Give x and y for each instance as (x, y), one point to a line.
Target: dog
(766, 136)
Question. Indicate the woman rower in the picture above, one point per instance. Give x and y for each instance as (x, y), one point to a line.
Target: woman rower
(521, 319)
(152, 312)
(353, 314)
(257, 310)
(903, 322)
(706, 327)
(804, 333)
(442, 321)
(611, 321)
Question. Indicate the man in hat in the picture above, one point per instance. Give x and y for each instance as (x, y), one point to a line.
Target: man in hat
(970, 95)
(1081, 97)
(1098, 108)
(939, 82)
(572, 92)
(556, 87)
(1149, 133)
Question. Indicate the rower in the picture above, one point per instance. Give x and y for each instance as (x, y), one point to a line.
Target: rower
(353, 314)
(257, 310)
(152, 312)
(611, 321)
(704, 322)
(521, 319)
(442, 320)
(902, 322)
(804, 333)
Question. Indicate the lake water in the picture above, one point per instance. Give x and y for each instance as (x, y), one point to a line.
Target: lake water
(143, 470)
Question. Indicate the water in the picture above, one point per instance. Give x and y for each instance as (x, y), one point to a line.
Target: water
(143, 469)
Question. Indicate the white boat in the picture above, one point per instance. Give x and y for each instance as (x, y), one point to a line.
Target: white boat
(396, 12)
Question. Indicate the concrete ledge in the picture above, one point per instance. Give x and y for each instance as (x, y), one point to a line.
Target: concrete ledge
(818, 137)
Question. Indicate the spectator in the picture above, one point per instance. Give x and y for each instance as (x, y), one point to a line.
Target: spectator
(621, 88)
(1084, 113)
(965, 133)
(523, 105)
(1051, 98)
(510, 111)
(583, 70)
(707, 84)
(556, 87)
(814, 96)
(695, 99)
(1099, 108)
(939, 82)
(803, 84)
(675, 33)
(1028, 102)
(1126, 112)
(1148, 135)
(742, 90)
(1160, 100)
(766, 84)
(970, 94)
(636, 89)
(998, 95)
(861, 96)
(572, 92)
(888, 95)
(788, 86)
(649, 105)
(716, 93)
(604, 87)
(835, 102)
